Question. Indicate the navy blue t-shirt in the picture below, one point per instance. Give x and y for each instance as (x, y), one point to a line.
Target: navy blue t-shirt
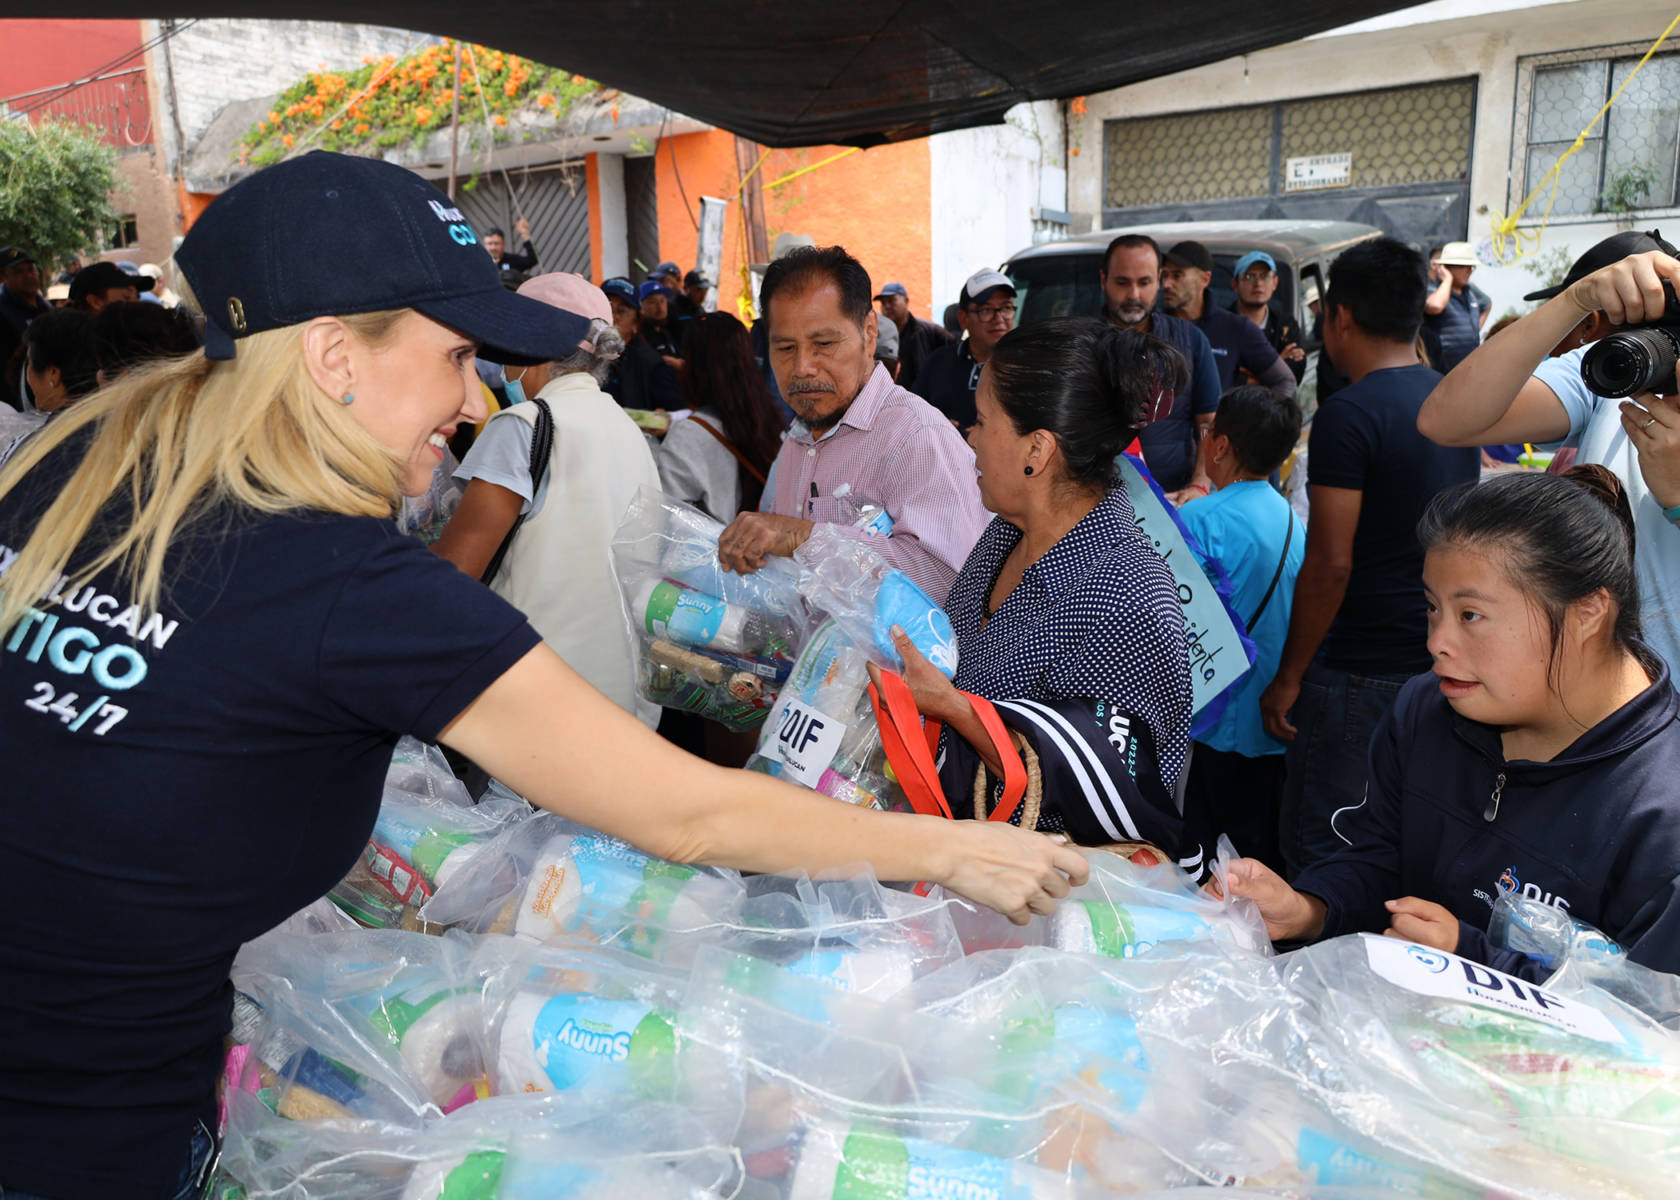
(1236, 342)
(1365, 438)
(180, 780)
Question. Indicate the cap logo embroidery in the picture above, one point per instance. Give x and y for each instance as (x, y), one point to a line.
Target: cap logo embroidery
(236, 314)
(459, 230)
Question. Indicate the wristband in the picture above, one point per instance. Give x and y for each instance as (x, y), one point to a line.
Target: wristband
(1672, 514)
(1204, 491)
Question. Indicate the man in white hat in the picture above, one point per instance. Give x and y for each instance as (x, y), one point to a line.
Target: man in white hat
(1457, 309)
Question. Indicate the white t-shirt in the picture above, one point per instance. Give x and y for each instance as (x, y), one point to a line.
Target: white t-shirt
(697, 468)
(1595, 428)
(558, 571)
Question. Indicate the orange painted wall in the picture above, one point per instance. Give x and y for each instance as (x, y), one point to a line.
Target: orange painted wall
(875, 203)
(592, 189)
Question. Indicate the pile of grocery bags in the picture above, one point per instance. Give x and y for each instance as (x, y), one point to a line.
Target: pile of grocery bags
(502, 1005)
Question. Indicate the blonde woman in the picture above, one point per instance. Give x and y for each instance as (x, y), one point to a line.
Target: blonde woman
(211, 636)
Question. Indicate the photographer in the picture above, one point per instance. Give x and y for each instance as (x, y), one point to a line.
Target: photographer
(1509, 390)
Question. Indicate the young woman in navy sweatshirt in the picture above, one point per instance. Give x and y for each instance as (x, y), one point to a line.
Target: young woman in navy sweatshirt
(1541, 755)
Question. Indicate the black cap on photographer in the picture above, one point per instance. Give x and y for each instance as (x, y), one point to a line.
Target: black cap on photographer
(1611, 250)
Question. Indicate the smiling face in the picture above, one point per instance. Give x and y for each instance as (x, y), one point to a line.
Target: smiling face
(493, 246)
(821, 359)
(1491, 643)
(412, 390)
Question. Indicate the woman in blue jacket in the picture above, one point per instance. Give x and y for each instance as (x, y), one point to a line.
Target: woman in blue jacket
(1539, 757)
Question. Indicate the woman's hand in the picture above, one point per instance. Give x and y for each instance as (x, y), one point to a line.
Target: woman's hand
(1019, 874)
(1422, 921)
(1290, 916)
(1629, 292)
(935, 696)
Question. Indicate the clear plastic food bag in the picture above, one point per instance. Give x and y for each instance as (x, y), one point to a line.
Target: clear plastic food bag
(706, 640)
(822, 733)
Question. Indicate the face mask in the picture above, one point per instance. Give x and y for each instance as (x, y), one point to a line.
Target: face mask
(515, 390)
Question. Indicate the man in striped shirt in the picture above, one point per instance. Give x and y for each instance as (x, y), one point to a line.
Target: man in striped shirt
(858, 440)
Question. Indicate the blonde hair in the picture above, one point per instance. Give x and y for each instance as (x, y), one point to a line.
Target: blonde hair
(187, 436)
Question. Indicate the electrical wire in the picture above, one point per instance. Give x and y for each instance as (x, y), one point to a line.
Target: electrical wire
(675, 170)
(120, 61)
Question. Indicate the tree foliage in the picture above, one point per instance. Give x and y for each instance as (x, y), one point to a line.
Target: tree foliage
(55, 185)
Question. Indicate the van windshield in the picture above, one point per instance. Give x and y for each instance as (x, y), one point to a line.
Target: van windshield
(1069, 285)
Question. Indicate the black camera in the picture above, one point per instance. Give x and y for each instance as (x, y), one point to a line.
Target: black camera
(1641, 359)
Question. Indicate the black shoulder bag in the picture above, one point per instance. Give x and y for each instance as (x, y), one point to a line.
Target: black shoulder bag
(542, 443)
(1288, 537)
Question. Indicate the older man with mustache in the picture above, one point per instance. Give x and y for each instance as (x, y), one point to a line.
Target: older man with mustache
(859, 440)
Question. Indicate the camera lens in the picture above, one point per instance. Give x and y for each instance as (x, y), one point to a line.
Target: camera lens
(1633, 361)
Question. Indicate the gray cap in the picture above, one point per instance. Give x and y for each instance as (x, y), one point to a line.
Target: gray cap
(983, 283)
(886, 340)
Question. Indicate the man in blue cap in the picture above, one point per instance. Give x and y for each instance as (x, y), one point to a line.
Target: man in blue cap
(1186, 273)
(656, 326)
(639, 378)
(916, 338)
(1255, 281)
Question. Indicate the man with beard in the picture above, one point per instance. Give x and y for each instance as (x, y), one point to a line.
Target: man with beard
(859, 440)
(1131, 279)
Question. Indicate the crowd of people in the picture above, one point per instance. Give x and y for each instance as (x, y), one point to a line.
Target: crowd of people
(1461, 682)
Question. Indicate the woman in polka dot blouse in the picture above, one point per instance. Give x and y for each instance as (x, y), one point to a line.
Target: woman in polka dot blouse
(1066, 617)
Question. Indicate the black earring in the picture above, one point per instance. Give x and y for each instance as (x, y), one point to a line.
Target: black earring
(1029, 470)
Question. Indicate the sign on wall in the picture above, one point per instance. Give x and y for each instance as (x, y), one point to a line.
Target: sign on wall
(1317, 171)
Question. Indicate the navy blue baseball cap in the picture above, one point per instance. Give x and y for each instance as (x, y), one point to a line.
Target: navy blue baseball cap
(621, 288)
(892, 289)
(330, 234)
(651, 288)
(664, 269)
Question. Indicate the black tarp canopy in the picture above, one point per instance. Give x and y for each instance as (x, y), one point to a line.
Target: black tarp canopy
(859, 72)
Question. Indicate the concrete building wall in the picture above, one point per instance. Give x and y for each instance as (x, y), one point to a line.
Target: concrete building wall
(1386, 53)
(874, 202)
(145, 190)
(217, 61)
(986, 184)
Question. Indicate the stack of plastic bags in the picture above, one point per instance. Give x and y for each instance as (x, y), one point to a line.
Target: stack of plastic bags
(582, 1020)
(706, 640)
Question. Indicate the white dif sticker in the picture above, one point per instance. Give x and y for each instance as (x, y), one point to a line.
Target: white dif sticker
(1430, 972)
(807, 740)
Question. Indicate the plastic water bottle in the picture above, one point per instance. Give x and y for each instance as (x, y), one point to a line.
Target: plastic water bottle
(675, 611)
(871, 518)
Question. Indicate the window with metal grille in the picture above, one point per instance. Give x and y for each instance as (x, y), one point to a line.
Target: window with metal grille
(1629, 162)
(1395, 137)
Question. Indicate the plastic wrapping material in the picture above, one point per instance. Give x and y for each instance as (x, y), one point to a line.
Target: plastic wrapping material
(1548, 1094)
(840, 1161)
(377, 1024)
(822, 733)
(425, 515)
(706, 640)
(1125, 910)
(530, 1149)
(596, 1025)
(428, 828)
(547, 878)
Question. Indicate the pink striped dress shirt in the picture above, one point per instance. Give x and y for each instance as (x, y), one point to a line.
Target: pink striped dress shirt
(899, 452)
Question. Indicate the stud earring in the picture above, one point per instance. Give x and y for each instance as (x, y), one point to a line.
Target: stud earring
(1029, 471)
(347, 398)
